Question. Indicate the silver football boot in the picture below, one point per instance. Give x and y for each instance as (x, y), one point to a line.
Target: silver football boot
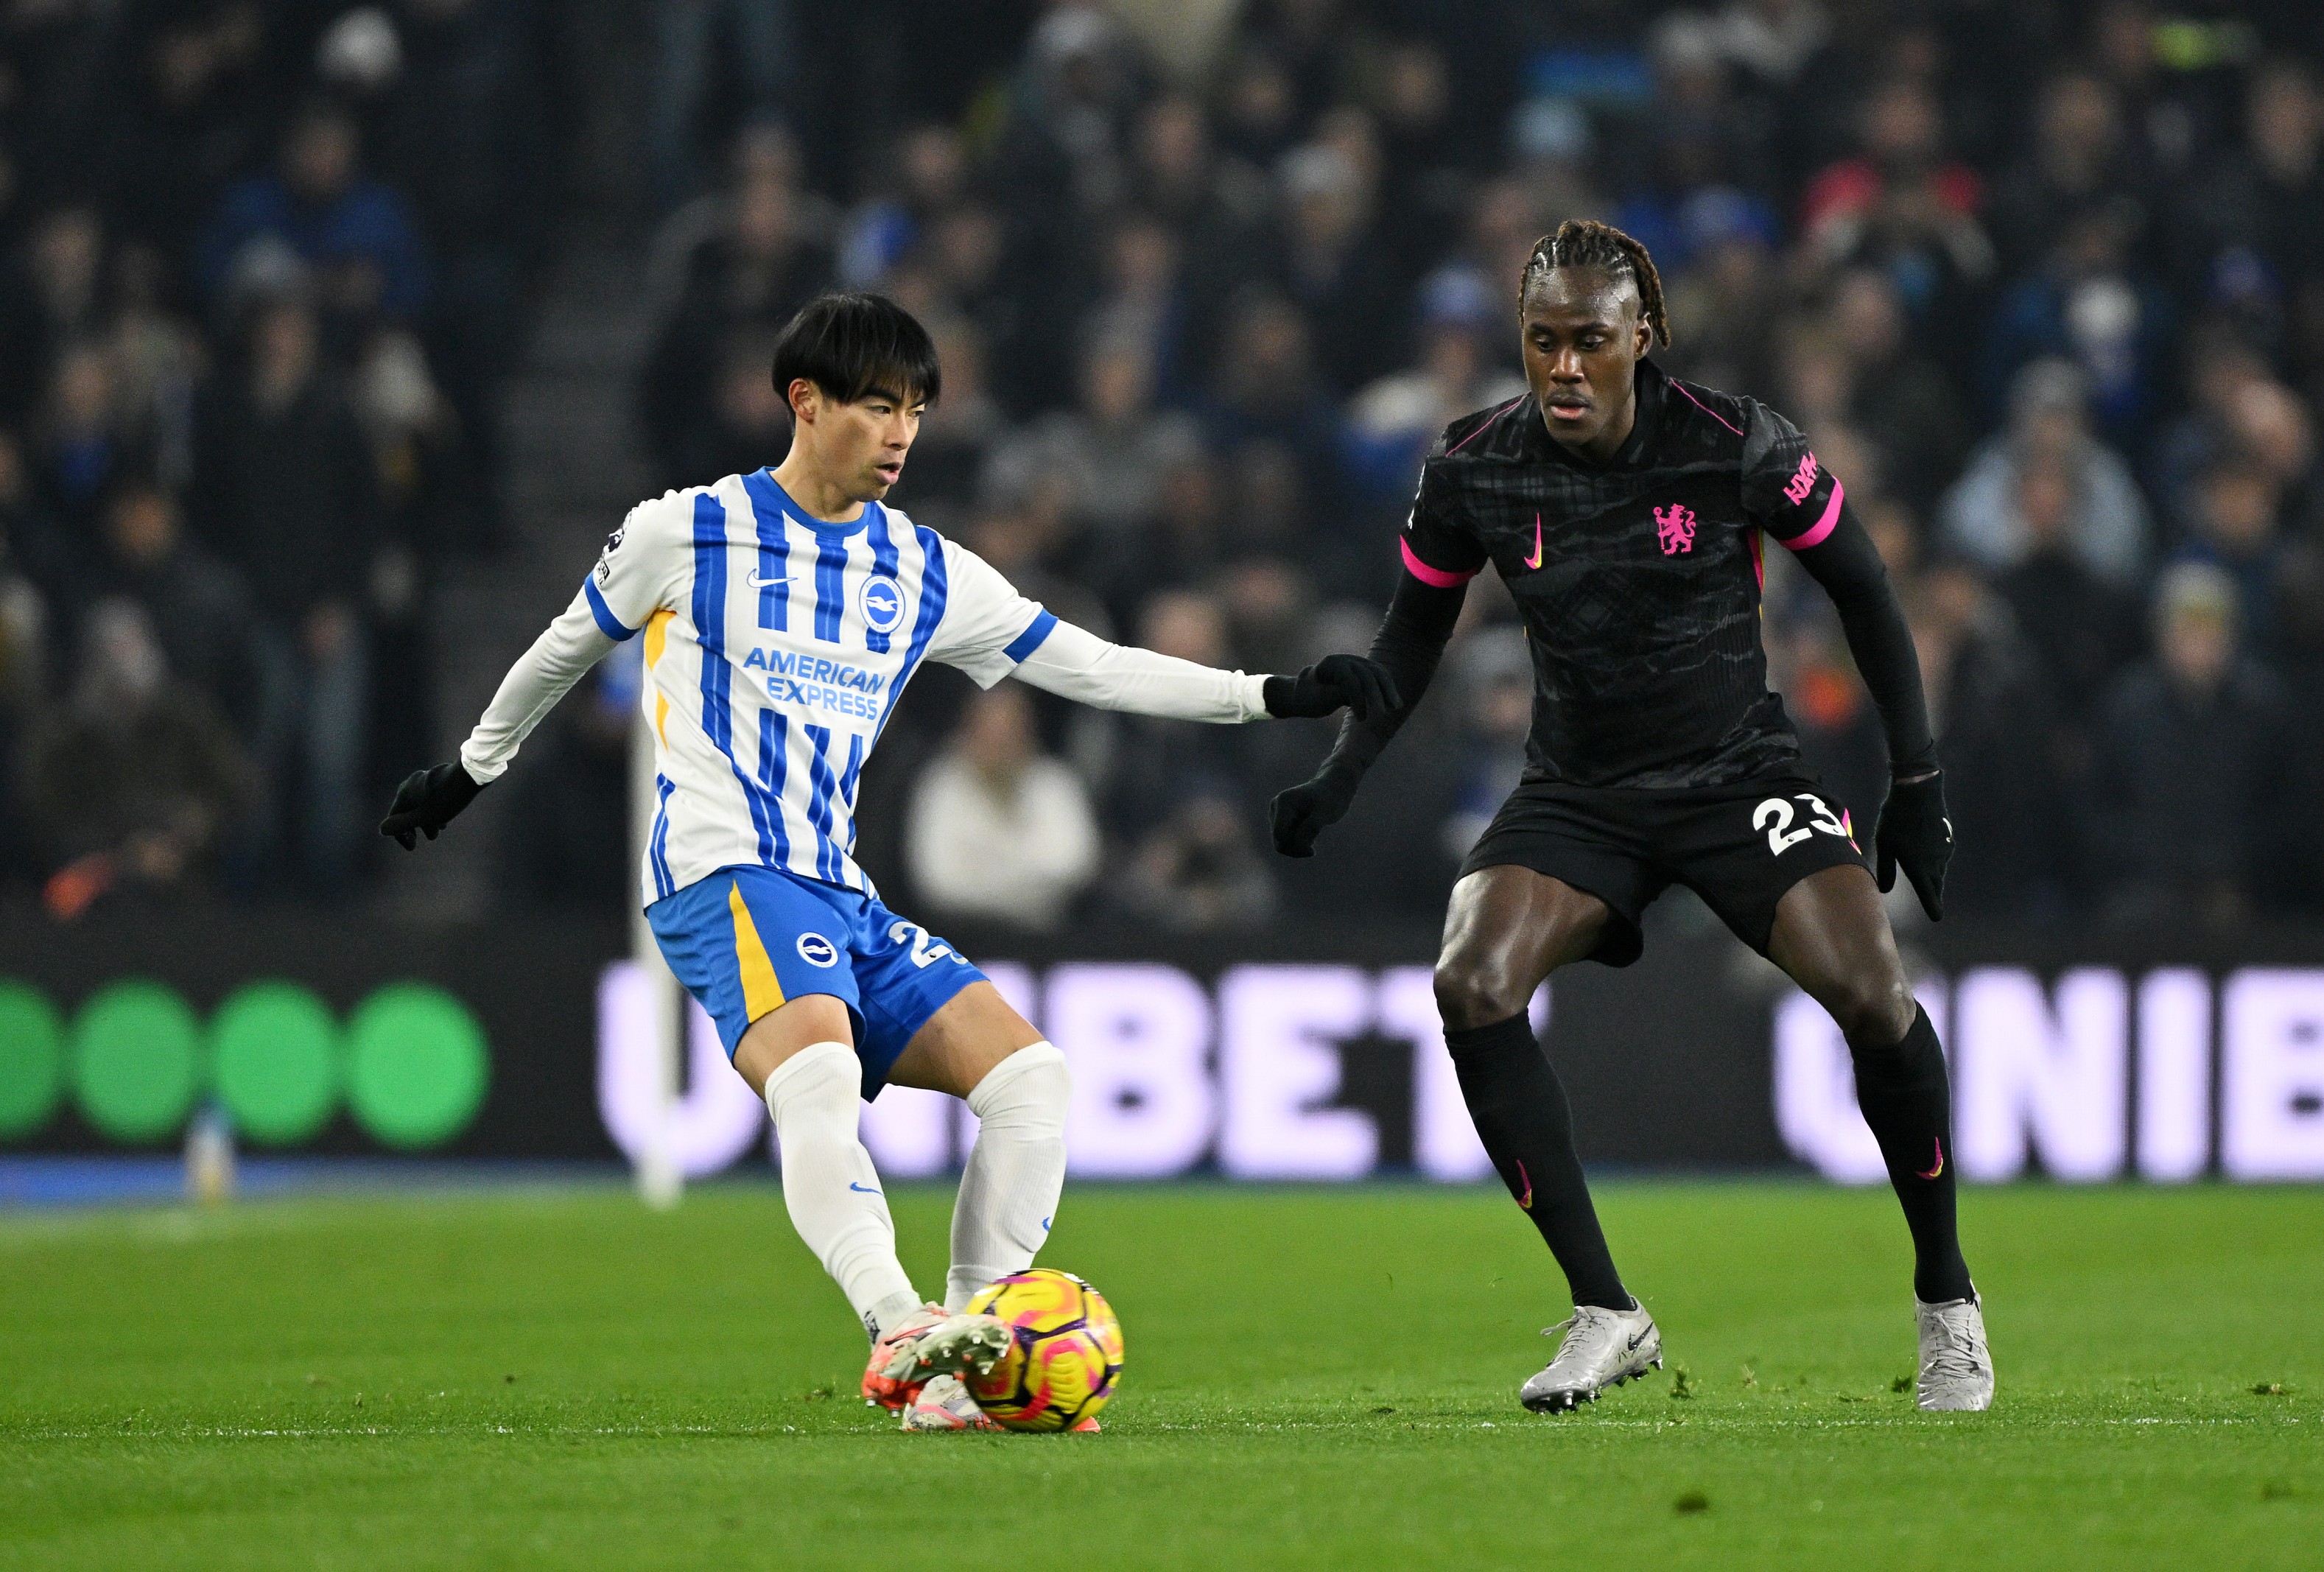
(1602, 1348)
(1955, 1369)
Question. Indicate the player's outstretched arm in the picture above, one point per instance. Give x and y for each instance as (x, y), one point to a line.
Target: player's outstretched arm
(1912, 832)
(1410, 641)
(1076, 663)
(429, 800)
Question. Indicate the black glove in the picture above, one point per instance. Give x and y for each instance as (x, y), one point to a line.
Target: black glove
(1915, 834)
(1363, 686)
(1298, 814)
(427, 801)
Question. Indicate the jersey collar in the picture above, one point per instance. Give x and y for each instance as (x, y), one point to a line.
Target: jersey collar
(768, 492)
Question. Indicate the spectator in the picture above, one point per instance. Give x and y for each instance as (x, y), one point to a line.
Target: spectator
(196, 607)
(750, 277)
(1160, 764)
(81, 448)
(1270, 396)
(2088, 304)
(1900, 399)
(1497, 683)
(53, 303)
(1392, 422)
(2084, 630)
(565, 840)
(999, 833)
(134, 781)
(285, 493)
(157, 359)
(1329, 262)
(1112, 451)
(2233, 530)
(198, 123)
(1216, 210)
(2192, 753)
(463, 137)
(2265, 201)
(2296, 869)
(1994, 714)
(1728, 298)
(932, 170)
(2080, 160)
(2048, 425)
(760, 47)
(1141, 308)
(1198, 871)
(354, 233)
(1902, 206)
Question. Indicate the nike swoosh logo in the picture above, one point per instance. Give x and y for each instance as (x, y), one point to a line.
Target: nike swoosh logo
(1045, 1225)
(1940, 1167)
(1526, 1200)
(756, 582)
(862, 1189)
(1534, 560)
(1634, 1341)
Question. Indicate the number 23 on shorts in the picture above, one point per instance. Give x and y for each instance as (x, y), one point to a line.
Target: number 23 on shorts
(1774, 814)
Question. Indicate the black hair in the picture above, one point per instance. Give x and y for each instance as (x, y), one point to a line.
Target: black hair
(1586, 242)
(851, 345)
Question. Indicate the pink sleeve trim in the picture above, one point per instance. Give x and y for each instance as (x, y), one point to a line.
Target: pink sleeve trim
(1432, 576)
(1824, 525)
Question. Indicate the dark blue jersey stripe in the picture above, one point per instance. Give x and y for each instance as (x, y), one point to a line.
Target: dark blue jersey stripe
(607, 623)
(1036, 631)
(924, 627)
(774, 552)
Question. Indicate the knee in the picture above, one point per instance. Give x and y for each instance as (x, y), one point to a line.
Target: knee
(1474, 992)
(1873, 1009)
(816, 1086)
(1028, 1090)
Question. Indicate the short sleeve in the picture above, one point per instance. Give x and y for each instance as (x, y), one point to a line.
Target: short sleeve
(987, 627)
(1437, 548)
(636, 574)
(1786, 490)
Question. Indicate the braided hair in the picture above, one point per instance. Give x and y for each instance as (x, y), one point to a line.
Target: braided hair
(1587, 243)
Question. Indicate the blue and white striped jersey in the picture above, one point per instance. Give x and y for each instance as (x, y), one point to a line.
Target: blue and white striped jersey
(776, 647)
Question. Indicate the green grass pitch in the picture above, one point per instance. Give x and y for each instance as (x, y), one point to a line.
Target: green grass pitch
(1316, 1378)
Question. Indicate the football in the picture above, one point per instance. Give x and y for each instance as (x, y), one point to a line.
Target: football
(1066, 1357)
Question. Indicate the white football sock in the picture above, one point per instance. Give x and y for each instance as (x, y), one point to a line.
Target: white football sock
(829, 1185)
(1008, 1191)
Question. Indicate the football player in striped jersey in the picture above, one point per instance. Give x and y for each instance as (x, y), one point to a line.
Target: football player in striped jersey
(782, 613)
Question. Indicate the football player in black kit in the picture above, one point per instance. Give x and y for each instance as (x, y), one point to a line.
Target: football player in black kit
(1624, 510)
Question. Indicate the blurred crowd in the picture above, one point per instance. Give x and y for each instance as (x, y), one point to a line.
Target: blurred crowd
(2043, 281)
(261, 278)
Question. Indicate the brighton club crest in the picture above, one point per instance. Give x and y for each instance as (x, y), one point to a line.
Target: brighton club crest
(1675, 528)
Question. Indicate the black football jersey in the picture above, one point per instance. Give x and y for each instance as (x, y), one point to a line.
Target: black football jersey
(1638, 580)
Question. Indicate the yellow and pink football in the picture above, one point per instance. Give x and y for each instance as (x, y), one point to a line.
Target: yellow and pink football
(1066, 1357)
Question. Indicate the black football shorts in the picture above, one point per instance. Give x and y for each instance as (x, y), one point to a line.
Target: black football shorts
(1739, 847)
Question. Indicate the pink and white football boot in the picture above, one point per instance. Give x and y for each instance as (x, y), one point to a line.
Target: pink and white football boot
(893, 1351)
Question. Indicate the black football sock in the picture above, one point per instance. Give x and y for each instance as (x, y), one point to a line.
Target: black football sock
(1907, 1101)
(1527, 1128)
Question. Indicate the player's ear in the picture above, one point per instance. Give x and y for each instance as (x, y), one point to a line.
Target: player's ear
(805, 399)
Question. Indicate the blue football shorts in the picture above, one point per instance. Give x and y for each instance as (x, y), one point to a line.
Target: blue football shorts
(745, 941)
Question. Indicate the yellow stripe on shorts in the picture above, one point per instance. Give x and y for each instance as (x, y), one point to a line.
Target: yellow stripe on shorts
(761, 993)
